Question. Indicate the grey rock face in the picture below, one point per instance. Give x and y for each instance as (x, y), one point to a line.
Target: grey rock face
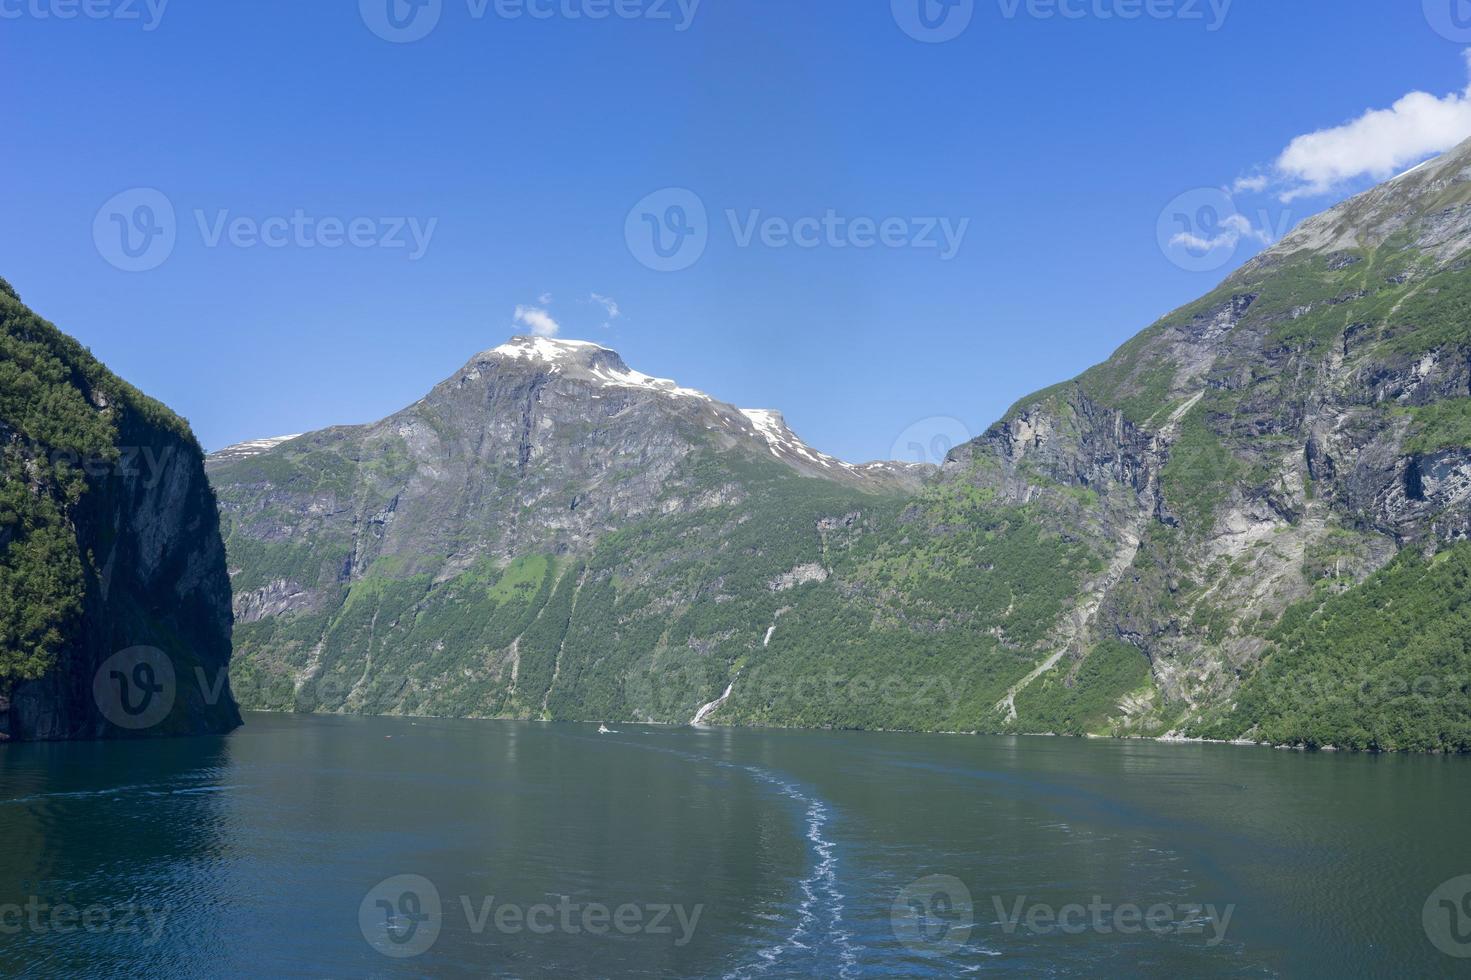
(152, 562)
(162, 586)
(1265, 436)
(535, 447)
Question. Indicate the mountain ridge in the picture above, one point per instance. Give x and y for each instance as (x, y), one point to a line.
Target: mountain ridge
(585, 360)
(1123, 553)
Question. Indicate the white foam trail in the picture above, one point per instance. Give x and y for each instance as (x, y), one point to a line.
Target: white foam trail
(821, 884)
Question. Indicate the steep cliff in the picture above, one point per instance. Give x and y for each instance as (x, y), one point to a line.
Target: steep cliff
(114, 600)
(1266, 449)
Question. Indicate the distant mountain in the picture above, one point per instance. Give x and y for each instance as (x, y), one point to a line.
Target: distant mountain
(114, 599)
(536, 447)
(1246, 523)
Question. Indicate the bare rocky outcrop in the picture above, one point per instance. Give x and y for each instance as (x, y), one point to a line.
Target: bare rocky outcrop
(801, 575)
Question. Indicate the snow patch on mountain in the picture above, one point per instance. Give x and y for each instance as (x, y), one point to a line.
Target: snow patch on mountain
(594, 361)
(629, 378)
(772, 427)
(546, 349)
(245, 450)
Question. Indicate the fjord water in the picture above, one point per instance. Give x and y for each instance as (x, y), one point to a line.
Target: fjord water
(266, 852)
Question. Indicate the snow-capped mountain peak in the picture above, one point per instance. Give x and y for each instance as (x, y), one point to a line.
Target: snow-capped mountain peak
(584, 360)
(592, 382)
(547, 349)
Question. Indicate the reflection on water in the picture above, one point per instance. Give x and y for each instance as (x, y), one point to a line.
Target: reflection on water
(314, 846)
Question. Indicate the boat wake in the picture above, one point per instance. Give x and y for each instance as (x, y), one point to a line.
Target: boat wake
(819, 944)
(819, 934)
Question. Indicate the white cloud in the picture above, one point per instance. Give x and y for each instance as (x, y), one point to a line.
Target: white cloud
(1379, 144)
(1232, 230)
(1254, 184)
(610, 308)
(545, 299)
(539, 320)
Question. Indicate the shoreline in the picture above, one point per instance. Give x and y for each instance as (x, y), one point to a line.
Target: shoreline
(1161, 739)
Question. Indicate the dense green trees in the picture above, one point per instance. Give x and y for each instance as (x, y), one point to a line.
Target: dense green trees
(1384, 666)
(59, 409)
(1081, 701)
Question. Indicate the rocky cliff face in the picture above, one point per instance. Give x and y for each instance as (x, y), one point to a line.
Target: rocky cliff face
(1277, 442)
(536, 447)
(1136, 551)
(115, 619)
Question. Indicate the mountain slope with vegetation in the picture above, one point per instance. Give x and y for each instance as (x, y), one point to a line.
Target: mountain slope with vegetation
(109, 541)
(1149, 549)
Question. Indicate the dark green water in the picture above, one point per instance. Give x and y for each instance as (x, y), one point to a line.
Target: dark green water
(315, 846)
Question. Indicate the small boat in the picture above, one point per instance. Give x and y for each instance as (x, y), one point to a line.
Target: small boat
(605, 730)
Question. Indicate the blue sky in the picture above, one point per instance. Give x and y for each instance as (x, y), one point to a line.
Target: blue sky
(417, 194)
